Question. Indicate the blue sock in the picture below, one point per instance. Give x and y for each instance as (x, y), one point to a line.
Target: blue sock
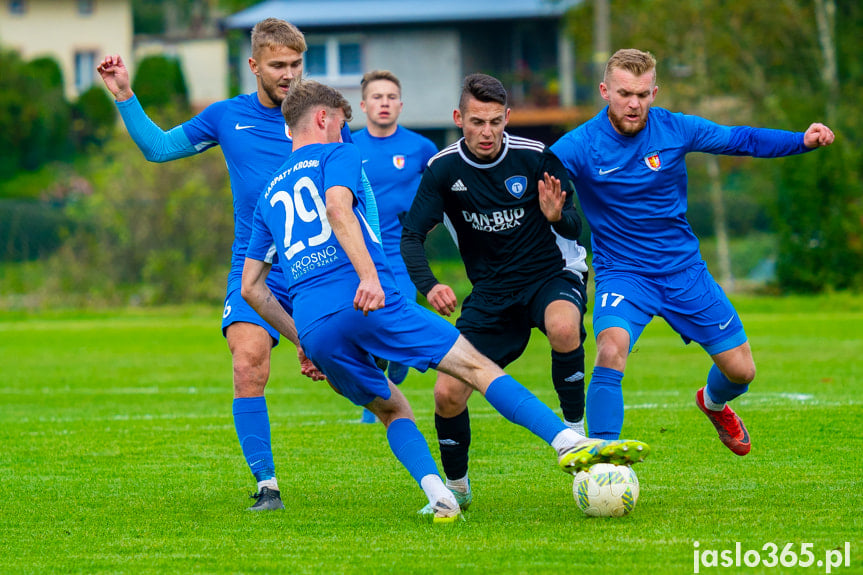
(253, 430)
(516, 403)
(720, 388)
(605, 403)
(410, 448)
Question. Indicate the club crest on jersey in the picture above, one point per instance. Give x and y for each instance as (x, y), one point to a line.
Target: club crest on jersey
(516, 185)
(399, 162)
(288, 132)
(653, 162)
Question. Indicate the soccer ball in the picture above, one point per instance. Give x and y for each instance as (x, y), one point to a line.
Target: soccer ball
(606, 490)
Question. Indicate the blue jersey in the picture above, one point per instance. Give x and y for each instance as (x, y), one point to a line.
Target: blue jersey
(633, 189)
(255, 141)
(290, 224)
(394, 166)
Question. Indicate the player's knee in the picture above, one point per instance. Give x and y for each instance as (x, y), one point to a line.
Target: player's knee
(251, 371)
(449, 400)
(564, 336)
(612, 354)
(743, 374)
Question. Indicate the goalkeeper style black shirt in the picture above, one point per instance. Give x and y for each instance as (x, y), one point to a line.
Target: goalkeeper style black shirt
(493, 209)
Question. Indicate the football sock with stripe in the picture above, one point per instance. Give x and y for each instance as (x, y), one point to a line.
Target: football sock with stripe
(252, 423)
(605, 403)
(453, 434)
(516, 403)
(410, 448)
(720, 389)
(567, 374)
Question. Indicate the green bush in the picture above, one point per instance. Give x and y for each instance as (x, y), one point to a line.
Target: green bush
(821, 221)
(148, 233)
(30, 229)
(94, 115)
(34, 116)
(159, 83)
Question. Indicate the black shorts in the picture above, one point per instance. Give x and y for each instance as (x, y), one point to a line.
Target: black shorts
(499, 325)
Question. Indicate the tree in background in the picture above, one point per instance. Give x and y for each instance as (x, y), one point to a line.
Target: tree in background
(147, 234)
(159, 83)
(37, 124)
(34, 115)
(94, 116)
(763, 64)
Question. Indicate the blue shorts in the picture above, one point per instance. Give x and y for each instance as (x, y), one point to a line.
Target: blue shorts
(342, 346)
(238, 310)
(403, 280)
(691, 301)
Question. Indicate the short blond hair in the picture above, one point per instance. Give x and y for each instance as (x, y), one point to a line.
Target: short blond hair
(274, 32)
(304, 95)
(375, 75)
(633, 61)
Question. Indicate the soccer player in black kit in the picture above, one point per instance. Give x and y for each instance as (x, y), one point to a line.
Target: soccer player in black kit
(513, 223)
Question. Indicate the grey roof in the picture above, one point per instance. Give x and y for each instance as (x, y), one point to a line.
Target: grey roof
(343, 13)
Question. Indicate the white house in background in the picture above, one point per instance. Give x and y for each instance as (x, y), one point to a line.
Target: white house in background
(79, 33)
(431, 46)
(76, 33)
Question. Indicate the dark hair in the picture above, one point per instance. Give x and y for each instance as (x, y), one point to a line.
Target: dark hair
(374, 75)
(303, 95)
(482, 87)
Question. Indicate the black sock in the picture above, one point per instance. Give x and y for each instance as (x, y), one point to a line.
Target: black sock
(453, 435)
(567, 373)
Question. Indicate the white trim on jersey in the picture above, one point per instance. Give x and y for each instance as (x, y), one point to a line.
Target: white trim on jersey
(448, 225)
(573, 253)
(451, 149)
(518, 142)
(271, 254)
(509, 141)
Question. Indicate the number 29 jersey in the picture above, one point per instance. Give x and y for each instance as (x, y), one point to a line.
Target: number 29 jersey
(291, 227)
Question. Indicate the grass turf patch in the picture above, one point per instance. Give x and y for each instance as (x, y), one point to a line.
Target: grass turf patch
(120, 456)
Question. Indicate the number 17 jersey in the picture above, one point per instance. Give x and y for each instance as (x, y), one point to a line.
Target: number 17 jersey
(291, 226)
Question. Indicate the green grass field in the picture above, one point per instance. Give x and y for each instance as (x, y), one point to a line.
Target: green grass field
(119, 456)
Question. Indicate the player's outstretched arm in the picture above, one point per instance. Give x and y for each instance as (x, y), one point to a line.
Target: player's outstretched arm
(115, 75)
(818, 135)
(346, 227)
(255, 291)
(156, 144)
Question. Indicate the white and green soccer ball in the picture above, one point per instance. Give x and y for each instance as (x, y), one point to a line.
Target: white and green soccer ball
(606, 490)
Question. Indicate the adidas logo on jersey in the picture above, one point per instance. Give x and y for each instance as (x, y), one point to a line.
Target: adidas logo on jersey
(459, 186)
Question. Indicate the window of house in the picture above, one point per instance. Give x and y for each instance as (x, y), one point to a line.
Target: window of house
(17, 6)
(334, 60)
(85, 70)
(316, 60)
(349, 59)
(86, 7)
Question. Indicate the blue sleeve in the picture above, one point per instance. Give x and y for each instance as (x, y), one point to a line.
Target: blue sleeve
(429, 150)
(744, 140)
(156, 144)
(261, 244)
(565, 150)
(346, 134)
(372, 216)
(342, 167)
